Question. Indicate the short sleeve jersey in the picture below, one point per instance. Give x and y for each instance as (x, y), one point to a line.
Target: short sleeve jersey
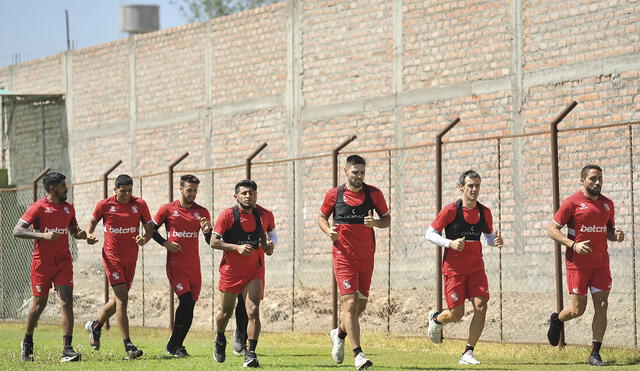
(46, 217)
(267, 218)
(121, 224)
(183, 227)
(587, 220)
(355, 241)
(468, 260)
(233, 263)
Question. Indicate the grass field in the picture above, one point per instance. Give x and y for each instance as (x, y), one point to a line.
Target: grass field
(297, 351)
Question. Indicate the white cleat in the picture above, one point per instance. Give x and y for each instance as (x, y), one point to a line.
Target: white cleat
(362, 362)
(468, 359)
(435, 330)
(337, 352)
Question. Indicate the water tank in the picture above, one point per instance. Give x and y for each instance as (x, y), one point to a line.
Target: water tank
(136, 19)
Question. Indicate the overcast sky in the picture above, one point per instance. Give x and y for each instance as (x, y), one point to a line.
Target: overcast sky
(36, 28)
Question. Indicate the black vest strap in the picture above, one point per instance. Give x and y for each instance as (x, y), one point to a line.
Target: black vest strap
(459, 227)
(238, 236)
(347, 214)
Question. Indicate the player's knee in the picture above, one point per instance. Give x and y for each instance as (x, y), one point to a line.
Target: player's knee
(457, 313)
(253, 311)
(601, 305)
(350, 303)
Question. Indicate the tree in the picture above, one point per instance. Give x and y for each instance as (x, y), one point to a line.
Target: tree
(202, 10)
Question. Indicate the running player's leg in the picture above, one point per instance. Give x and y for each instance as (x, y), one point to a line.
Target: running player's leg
(65, 293)
(37, 307)
(576, 308)
(599, 325)
(240, 336)
(121, 297)
(478, 320)
(252, 294)
(183, 316)
(227, 303)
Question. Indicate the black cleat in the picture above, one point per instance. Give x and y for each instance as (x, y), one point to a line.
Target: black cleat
(94, 335)
(179, 352)
(595, 360)
(239, 343)
(70, 355)
(26, 351)
(251, 360)
(555, 328)
(219, 349)
(133, 352)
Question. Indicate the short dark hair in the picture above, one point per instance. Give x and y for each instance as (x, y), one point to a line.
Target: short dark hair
(585, 170)
(189, 178)
(52, 179)
(245, 183)
(468, 173)
(122, 180)
(356, 160)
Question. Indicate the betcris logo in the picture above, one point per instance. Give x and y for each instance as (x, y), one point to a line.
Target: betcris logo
(121, 230)
(593, 229)
(184, 234)
(55, 230)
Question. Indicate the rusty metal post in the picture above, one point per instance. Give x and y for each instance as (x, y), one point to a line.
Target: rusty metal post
(35, 183)
(171, 166)
(105, 194)
(556, 205)
(251, 156)
(438, 184)
(334, 173)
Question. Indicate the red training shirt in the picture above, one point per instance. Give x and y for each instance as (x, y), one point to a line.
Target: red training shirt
(46, 217)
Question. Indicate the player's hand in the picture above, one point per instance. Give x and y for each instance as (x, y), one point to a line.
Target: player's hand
(140, 240)
(245, 249)
(457, 244)
(268, 248)
(51, 236)
(91, 239)
(498, 240)
(81, 235)
(333, 233)
(205, 225)
(582, 247)
(172, 247)
(619, 235)
(369, 221)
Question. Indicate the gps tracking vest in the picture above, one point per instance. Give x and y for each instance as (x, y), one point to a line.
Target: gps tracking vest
(459, 227)
(238, 236)
(347, 214)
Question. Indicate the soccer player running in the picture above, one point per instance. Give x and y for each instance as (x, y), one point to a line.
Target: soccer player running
(588, 216)
(183, 220)
(240, 338)
(121, 215)
(354, 246)
(53, 219)
(463, 222)
(239, 231)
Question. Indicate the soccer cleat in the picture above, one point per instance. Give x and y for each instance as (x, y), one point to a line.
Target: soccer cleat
(435, 330)
(595, 360)
(362, 362)
(70, 355)
(26, 351)
(337, 352)
(219, 350)
(251, 360)
(133, 352)
(94, 335)
(468, 359)
(239, 343)
(179, 352)
(555, 328)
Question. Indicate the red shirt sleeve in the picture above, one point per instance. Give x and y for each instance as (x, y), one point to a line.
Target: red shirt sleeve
(161, 215)
(379, 202)
(223, 223)
(445, 216)
(329, 202)
(564, 213)
(145, 215)
(31, 215)
(97, 213)
(488, 218)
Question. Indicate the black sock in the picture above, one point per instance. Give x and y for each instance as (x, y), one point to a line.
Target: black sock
(66, 340)
(467, 348)
(127, 343)
(97, 325)
(182, 323)
(221, 337)
(242, 320)
(356, 351)
(28, 338)
(342, 334)
(595, 347)
(435, 318)
(253, 343)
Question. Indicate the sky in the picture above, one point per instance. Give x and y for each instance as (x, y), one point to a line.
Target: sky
(36, 28)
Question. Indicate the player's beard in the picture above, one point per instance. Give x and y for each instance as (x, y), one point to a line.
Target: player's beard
(246, 207)
(594, 191)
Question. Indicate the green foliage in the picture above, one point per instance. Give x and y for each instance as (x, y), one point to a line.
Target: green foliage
(202, 10)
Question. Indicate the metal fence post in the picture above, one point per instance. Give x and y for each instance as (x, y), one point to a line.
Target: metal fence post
(251, 156)
(35, 183)
(171, 166)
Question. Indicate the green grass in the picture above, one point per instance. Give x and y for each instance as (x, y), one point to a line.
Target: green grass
(295, 351)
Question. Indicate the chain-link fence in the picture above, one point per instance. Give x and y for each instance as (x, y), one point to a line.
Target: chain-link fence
(517, 178)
